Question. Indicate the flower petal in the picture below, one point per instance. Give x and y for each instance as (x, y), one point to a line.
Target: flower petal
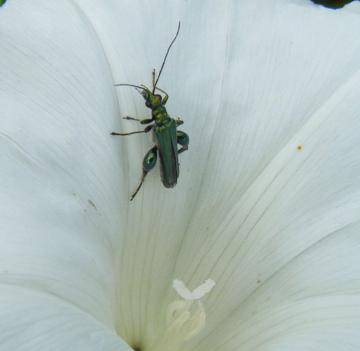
(268, 92)
(314, 294)
(303, 189)
(318, 323)
(276, 142)
(32, 321)
(60, 171)
(353, 6)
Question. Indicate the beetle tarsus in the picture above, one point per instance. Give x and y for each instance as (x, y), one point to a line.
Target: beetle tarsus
(182, 149)
(139, 186)
(132, 118)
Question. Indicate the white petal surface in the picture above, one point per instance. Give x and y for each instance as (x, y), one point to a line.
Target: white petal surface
(269, 94)
(318, 323)
(313, 300)
(32, 321)
(60, 181)
(353, 6)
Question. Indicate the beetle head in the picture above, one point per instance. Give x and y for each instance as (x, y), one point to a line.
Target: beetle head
(151, 100)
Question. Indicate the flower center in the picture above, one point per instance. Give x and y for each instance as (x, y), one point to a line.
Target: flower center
(185, 318)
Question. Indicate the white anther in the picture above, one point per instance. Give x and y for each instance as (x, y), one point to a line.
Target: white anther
(197, 293)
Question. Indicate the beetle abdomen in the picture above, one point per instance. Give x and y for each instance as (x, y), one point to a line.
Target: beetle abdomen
(167, 147)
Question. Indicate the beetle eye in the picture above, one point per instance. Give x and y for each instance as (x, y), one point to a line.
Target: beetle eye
(147, 103)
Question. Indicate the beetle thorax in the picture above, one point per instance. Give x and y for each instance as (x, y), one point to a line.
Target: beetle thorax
(160, 115)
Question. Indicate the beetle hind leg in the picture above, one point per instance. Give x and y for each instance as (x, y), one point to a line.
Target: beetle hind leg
(183, 140)
(149, 163)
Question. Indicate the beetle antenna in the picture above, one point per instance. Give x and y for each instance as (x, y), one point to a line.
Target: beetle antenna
(129, 85)
(167, 53)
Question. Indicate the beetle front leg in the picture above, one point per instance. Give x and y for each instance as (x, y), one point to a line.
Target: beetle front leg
(182, 139)
(149, 163)
(146, 130)
(142, 121)
(153, 74)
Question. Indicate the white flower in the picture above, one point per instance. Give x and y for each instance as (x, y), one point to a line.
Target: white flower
(260, 238)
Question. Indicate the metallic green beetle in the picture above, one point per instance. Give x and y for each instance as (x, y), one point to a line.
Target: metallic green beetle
(165, 133)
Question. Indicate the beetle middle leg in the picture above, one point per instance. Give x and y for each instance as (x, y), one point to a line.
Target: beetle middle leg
(182, 139)
(149, 163)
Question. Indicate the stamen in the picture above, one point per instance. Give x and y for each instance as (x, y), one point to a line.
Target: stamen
(196, 323)
(185, 318)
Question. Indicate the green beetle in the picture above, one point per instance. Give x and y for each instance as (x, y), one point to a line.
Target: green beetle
(165, 133)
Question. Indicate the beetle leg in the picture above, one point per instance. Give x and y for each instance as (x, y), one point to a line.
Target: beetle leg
(178, 121)
(146, 130)
(132, 118)
(182, 139)
(149, 163)
(153, 77)
(142, 121)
